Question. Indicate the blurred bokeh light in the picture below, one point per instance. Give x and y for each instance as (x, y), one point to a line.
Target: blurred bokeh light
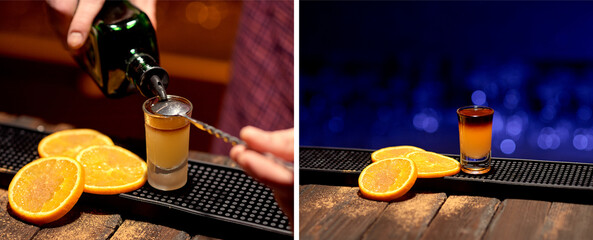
(377, 74)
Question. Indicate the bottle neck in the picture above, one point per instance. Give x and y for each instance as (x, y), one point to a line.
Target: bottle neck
(150, 79)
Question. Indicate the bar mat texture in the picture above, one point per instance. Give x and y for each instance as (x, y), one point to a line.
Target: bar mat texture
(215, 197)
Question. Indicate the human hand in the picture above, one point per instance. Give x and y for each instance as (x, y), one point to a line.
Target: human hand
(266, 170)
(75, 17)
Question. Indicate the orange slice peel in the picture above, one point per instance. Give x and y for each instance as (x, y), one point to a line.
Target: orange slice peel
(46, 189)
(111, 170)
(434, 165)
(70, 142)
(387, 179)
(394, 152)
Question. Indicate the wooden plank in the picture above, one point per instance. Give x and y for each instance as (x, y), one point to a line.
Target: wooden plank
(316, 201)
(408, 217)
(568, 221)
(303, 188)
(518, 219)
(132, 229)
(462, 217)
(82, 222)
(10, 227)
(337, 213)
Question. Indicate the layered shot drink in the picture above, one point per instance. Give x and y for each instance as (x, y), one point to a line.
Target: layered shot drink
(167, 146)
(475, 138)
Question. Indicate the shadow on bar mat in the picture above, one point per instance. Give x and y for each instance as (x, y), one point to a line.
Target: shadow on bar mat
(217, 200)
(509, 178)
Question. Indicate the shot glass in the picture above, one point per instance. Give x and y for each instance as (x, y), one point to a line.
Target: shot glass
(167, 146)
(475, 138)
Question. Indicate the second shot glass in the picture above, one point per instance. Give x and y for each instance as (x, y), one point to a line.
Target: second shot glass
(475, 138)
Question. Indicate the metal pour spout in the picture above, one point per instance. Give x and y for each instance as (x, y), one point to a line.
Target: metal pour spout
(159, 89)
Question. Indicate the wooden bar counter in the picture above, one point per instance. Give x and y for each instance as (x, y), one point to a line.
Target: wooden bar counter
(334, 212)
(439, 208)
(88, 221)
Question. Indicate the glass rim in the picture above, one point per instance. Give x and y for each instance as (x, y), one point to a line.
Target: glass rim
(475, 107)
(151, 100)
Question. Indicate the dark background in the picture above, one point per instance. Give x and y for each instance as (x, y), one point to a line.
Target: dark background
(378, 74)
(40, 80)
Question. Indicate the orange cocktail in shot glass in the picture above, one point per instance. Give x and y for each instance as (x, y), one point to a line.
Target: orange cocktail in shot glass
(475, 138)
(167, 145)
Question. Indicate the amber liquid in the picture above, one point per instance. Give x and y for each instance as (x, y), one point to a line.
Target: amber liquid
(475, 138)
(166, 155)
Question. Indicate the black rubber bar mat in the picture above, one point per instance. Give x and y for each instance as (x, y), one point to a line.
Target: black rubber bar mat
(217, 200)
(508, 178)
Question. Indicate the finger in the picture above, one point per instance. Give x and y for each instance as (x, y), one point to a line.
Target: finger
(259, 167)
(64, 7)
(236, 151)
(81, 22)
(265, 170)
(60, 13)
(279, 143)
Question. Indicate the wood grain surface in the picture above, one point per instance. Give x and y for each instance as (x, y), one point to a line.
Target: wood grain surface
(518, 219)
(408, 217)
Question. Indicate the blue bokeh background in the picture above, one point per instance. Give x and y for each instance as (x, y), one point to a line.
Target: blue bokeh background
(377, 74)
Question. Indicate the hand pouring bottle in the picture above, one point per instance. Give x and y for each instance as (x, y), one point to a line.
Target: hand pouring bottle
(121, 53)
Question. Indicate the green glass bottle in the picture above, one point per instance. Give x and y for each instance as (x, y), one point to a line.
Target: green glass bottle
(121, 53)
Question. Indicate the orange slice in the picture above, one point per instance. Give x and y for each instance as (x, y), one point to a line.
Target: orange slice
(69, 142)
(111, 169)
(46, 189)
(393, 152)
(434, 165)
(388, 179)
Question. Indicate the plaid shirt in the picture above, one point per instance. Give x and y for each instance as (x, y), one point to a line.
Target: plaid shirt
(260, 92)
